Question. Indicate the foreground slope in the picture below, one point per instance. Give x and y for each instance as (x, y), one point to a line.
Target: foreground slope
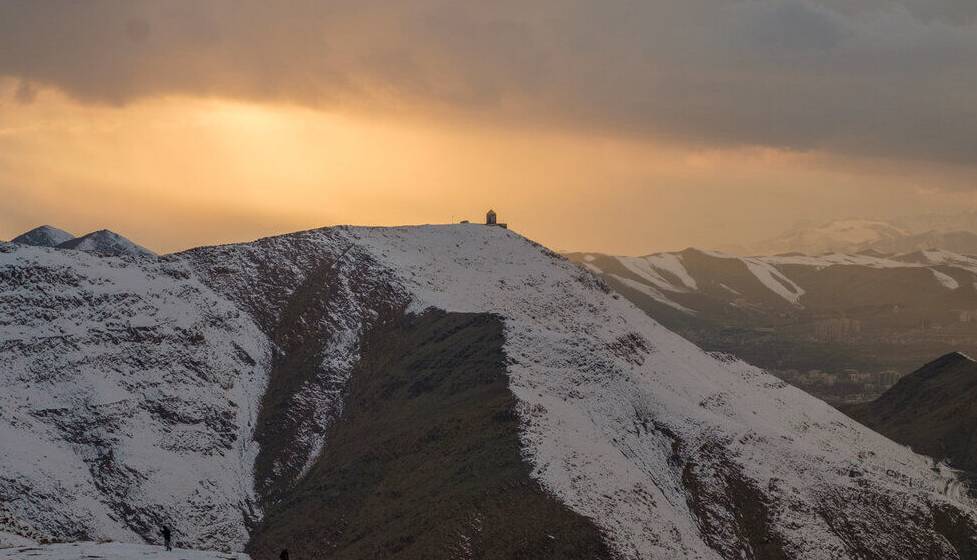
(672, 452)
(933, 410)
(465, 339)
(127, 397)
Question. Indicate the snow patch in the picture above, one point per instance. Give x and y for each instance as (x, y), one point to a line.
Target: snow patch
(945, 279)
(653, 294)
(773, 279)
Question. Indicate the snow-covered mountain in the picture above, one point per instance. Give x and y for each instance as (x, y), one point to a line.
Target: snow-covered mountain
(129, 396)
(435, 391)
(681, 280)
(856, 236)
(107, 244)
(842, 236)
(837, 313)
(43, 236)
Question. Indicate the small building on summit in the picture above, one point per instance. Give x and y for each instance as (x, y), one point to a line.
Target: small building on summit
(491, 219)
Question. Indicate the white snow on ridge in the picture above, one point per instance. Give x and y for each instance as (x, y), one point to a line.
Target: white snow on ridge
(617, 409)
(775, 280)
(123, 387)
(645, 269)
(585, 405)
(771, 272)
(654, 294)
(672, 262)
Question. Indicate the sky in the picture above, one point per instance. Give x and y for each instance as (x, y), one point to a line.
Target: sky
(625, 126)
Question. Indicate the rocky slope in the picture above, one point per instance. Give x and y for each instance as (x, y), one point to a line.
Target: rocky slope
(932, 410)
(868, 313)
(380, 370)
(129, 393)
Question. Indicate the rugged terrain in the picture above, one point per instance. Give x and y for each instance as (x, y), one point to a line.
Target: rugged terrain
(841, 326)
(425, 392)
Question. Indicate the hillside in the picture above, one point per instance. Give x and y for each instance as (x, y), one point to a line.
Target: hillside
(933, 410)
(454, 391)
(826, 319)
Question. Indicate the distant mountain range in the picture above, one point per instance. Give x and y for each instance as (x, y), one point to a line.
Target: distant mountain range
(102, 242)
(854, 236)
(800, 316)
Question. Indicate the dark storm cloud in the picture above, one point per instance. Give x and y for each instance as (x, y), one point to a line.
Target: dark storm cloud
(893, 78)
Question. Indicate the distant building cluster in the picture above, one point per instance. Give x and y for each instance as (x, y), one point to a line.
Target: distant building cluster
(846, 386)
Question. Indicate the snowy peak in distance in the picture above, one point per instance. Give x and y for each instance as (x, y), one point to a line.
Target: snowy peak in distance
(107, 244)
(43, 236)
(858, 236)
(837, 236)
(694, 280)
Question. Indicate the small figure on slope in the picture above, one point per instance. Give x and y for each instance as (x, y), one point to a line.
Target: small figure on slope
(166, 538)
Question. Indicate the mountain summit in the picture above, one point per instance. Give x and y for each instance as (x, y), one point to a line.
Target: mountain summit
(107, 244)
(424, 392)
(43, 236)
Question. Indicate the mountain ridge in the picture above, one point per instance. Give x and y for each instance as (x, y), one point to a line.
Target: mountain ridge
(661, 445)
(801, 315)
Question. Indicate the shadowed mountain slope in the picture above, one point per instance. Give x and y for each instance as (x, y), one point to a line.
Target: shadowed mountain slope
(43, 236)
(933, 410)
(426, 448)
